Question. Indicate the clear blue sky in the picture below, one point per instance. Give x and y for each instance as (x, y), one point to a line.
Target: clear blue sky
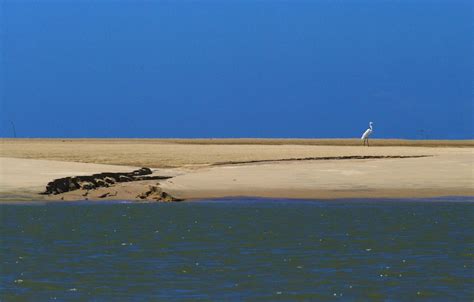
(237, 68)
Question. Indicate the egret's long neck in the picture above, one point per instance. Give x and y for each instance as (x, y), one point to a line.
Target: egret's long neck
(370, 126)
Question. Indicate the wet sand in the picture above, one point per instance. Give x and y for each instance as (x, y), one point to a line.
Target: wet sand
(206, 170)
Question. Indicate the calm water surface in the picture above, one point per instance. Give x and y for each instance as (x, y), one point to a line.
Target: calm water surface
(238, 250)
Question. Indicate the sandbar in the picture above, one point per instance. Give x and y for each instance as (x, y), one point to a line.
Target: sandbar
(277, 169)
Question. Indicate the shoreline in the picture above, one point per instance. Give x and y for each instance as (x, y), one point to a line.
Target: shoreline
(308, 195)
(255, 199)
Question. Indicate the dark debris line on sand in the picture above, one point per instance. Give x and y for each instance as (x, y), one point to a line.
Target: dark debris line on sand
(320, 158)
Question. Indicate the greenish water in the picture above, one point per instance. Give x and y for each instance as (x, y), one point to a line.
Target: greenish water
(239, 250)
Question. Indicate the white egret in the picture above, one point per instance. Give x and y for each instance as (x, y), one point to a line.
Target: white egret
(367, 133)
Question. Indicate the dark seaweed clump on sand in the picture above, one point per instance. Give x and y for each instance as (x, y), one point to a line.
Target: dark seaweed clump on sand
(100, 180)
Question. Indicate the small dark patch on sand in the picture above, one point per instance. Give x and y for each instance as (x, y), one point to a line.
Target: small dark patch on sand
(156, 193)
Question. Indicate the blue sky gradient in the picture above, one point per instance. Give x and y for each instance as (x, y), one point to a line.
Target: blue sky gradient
(237, 68)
